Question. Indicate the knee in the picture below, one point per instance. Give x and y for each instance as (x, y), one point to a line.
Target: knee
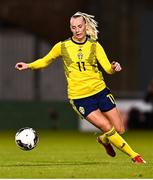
(106, 128)
(121, 130)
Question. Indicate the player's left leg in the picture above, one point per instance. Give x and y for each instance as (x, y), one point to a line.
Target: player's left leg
(122, 145)
(116, 139)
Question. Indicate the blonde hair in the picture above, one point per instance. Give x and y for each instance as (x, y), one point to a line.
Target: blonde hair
(91, 24)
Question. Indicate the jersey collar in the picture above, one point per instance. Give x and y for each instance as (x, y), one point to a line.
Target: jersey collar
(80, 43)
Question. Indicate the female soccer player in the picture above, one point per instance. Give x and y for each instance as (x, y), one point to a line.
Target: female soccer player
(87, 91)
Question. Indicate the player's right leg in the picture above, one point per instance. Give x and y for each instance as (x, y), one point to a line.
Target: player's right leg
(108, 147)
(88, 109)
(100, 121)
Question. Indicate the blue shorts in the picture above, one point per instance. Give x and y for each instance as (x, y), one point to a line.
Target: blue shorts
(103, 100)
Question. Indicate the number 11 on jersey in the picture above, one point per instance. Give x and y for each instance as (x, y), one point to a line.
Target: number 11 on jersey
(81, 66)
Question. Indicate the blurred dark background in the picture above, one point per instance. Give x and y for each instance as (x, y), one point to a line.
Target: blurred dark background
(28, 30)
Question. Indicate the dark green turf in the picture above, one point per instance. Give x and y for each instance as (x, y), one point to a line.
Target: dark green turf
(73, 155)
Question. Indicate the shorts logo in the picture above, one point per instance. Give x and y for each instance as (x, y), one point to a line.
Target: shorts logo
(82, 110)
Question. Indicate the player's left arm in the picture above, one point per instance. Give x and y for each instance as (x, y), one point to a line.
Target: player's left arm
(101, 56)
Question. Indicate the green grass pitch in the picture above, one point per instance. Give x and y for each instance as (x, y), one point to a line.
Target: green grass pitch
(71, 154)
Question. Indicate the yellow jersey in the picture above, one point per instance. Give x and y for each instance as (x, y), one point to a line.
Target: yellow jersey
(80, 62)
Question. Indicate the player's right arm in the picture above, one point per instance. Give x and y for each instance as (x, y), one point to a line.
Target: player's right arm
(43, 62)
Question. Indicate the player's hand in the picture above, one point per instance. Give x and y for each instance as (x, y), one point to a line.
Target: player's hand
(21, 66)
(116, 66)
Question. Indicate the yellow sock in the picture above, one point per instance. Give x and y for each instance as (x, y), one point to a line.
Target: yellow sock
(120, 143)
(104, 139)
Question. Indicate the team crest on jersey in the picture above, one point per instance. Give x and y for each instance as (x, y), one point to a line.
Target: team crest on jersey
(80, 55)
(82, 110)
